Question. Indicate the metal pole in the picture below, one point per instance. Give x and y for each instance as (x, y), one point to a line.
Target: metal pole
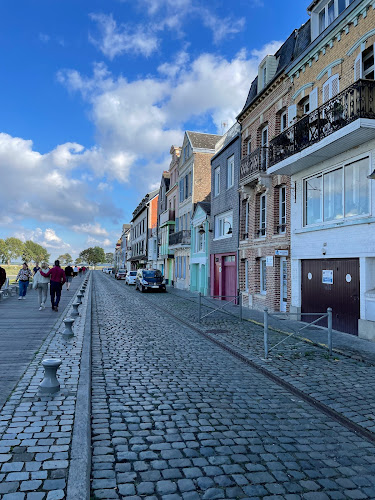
(240, 301)
(199, 306)
(265, 321)
(329, 312)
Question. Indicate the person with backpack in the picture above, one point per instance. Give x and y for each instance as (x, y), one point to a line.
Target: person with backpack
(69, 276)
(58, 278)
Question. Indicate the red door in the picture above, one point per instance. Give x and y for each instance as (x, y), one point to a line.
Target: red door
(229, 277)
(217, 265)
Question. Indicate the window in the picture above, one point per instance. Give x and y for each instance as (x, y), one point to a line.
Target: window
(264, 73)
(181, 192)
(246, 275)
(263, 276)
(217, 181)
(230, 172)
(339, 193)
(246, 235)
(186, 152)
(262, 215)
(331, 88)
(248, 146)
(283, 121)
(368, 63)
(330, 11)
(282, 210)
(223, 225)
(264, 143)
(200, 240)
(186, 186)
(322, 20)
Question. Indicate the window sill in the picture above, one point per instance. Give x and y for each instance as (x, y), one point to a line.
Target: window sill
(261, 295)
(279, 235)
(333, 225)
(222, 237)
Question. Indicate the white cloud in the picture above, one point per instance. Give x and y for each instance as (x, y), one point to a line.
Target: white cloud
(43, 37)
(104, 186)
(93, 229)
(48, 238)
(105, 243)
(222, 28)
(115, 40)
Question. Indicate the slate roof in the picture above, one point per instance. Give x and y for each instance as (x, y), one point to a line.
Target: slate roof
(205, 205)
(290, 50)
(203, 141)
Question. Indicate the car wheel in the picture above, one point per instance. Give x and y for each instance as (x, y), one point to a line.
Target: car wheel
(143, 289)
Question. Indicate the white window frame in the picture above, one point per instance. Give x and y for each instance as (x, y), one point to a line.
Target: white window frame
(248, 147)
(263, 276)
(217, 181)
(247, 275)
(262, 211)
(327, 171)
(230, 172)
(247, 207)
(283, 116)
(282, 189)
(223, 222)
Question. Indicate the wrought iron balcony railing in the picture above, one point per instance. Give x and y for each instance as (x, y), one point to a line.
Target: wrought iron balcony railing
(180, 238)
(254, 163)
(356, 101)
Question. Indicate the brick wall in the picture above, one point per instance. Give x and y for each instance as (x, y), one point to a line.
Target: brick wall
(202, 176)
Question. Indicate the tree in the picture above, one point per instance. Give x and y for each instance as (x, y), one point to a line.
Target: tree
(4, 256)
(65, 259)
(77, 261)
(14, 247)
(109, 258)
(34, 251)
(92, 255)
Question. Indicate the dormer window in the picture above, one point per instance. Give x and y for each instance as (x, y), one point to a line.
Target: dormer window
(266, 72)
(325, 13)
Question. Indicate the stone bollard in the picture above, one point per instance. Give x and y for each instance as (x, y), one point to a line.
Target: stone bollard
(75, 309)
(79, 297)
(50, 384)
(68, 332)
(82, 291)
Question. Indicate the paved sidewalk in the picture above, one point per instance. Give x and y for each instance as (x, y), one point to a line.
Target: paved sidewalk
(23, 328)
(176, 417)
(37, 432)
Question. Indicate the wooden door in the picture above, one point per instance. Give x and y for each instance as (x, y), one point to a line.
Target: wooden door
(332, 283)
(229, 278)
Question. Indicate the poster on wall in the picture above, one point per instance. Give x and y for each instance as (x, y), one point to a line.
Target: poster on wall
(327, 276)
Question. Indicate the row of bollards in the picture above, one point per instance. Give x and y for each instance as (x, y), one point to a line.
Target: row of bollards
(50, 384)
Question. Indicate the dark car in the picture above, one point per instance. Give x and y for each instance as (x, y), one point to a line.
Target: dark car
(120, 274)
(150, 279)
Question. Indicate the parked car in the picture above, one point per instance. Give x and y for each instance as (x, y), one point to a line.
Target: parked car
(150, 279)
(130, 278)
(120, 274)
(105, 270)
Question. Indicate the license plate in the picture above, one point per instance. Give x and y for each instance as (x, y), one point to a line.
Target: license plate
(155, 286)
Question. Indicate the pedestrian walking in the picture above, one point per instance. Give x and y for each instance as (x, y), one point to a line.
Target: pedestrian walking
(69, 276)
(23, 277)
(3, 276)
(80, 271)
(57, 280)
(36, 268)
(75, 271)
(40, 283)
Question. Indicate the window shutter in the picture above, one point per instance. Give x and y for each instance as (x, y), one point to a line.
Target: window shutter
(325, 91)
(313, 99)
(358, 67)
(184, 269)
(292, 113)
(335, 85)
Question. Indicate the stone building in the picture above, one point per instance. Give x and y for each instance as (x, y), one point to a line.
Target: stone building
(224, 227)
(264, 232)
(329, 152)
(194, 185)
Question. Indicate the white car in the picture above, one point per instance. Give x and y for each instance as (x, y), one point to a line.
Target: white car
(130, 278)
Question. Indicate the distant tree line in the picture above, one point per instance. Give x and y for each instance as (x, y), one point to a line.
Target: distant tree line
(14, 248)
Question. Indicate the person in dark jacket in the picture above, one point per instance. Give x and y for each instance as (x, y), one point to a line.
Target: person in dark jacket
(69, 276)
(3, 276)
(58, 278)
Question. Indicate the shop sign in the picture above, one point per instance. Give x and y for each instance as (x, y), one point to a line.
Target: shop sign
(282, 253)
(327, 276)
(269, 261)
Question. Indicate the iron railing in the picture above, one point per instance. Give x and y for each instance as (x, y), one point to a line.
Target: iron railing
(254, 163)
(180, 238)
(356, 101)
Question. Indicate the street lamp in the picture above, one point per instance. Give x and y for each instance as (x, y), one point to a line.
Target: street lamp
(371, 176)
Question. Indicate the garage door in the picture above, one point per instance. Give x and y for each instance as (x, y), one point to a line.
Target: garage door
(332, 283)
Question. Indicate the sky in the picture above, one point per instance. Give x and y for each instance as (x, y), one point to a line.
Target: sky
(93, 93)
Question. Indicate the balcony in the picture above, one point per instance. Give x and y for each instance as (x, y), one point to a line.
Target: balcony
(182, 238)
(253, 164)
(342, 123)
(167, 216)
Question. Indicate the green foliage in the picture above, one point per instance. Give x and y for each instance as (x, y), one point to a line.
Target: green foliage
(34, 252)
(109, 258)
(92, 255)
(14, 248)
(65, 259)
(77, 261)
(4, 257)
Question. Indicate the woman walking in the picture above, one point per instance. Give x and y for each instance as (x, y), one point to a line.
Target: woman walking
(41, 284)
(23, 277)
(57, 280)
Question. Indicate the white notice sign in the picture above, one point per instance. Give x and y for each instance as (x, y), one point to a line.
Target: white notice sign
(269, 261)
(327, 276)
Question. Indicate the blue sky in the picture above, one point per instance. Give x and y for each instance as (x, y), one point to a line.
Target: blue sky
(94, 93)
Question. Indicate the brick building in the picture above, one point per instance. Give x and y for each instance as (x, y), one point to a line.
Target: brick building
(264, 232)
(329, 152)
(224, 226)
(194, 185)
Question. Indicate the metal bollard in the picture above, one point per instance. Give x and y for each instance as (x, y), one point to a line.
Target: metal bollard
(68, 332)
(75, 309)
(265, 322)
(50, 384)
(199, 306)
(240, 304)
(329, 312)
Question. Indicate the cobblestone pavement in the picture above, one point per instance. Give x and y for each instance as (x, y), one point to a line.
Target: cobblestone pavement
(343, 384)
(175, 416)
(36, 431)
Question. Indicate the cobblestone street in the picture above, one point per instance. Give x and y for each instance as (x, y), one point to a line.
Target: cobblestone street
(176, 416)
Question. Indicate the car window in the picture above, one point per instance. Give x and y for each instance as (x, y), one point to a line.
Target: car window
(133, 273)
(152, 274)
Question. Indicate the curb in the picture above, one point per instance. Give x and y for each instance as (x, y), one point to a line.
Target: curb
(78, 486)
